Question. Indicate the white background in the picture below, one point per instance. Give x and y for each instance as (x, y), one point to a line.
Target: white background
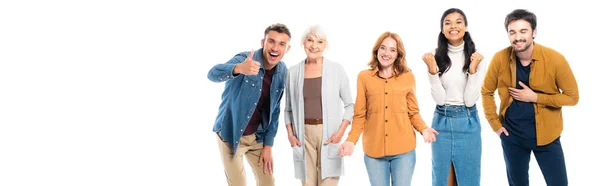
(115, 92)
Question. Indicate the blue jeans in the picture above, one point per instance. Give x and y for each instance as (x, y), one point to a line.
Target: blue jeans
(399, 168)
(458, 145)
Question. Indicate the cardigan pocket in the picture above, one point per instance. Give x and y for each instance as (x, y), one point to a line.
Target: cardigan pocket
(332, 150)
(297, 152)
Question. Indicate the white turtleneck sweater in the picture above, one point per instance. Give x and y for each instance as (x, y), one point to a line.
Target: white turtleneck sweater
(456, 87)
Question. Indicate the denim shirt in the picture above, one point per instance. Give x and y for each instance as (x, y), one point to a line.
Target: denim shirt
(240, 97)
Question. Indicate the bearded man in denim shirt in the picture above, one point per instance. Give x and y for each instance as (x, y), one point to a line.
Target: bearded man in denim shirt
(248, 116)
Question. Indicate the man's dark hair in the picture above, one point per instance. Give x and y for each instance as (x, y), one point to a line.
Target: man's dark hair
(519, 14)
(280, 28)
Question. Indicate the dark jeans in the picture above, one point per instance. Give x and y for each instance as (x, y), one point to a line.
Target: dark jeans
(550, 158)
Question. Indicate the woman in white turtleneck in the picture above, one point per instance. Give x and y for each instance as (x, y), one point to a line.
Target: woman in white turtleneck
(455, 76)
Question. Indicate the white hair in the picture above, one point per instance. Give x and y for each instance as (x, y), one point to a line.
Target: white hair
(315, 30)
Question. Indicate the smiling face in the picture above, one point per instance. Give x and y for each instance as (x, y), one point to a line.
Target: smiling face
(314, 46)
(520, 35)
(454, 28)
(275, 45)
(387, 53)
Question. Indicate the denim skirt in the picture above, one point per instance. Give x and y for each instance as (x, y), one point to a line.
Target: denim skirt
(458, 144)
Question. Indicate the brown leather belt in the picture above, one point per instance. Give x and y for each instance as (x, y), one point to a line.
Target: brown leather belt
(313, 121)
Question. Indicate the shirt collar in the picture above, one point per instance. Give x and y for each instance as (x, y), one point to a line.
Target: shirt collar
(375, 72)
(536, 56)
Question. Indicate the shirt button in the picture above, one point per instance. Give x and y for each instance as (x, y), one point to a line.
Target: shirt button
(386, 120)
(254, 103)
(246, 81)
(385, 93)
(248, 116)
(252, 84)
(260, 89)
(385, 107)
(385, 81)
(242, 130)
(385, 135)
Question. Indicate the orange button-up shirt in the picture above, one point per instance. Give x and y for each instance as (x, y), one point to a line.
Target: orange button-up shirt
(386, 111)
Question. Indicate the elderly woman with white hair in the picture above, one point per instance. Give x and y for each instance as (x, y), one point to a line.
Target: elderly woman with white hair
(319, 108)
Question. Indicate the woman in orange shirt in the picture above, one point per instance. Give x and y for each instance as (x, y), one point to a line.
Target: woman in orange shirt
(386, 110)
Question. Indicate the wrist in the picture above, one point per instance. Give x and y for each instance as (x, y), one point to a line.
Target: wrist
(341, 130)
(266, 147)
(423, 131)
(433, 70)
(472, 71)
(235, 70)
(339, 133)
(473, 67)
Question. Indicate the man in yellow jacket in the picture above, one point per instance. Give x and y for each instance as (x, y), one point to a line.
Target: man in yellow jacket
(534, 82)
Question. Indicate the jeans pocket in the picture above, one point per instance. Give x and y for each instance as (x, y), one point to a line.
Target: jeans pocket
(474, 123)
(297, 152)
(502, 136)
(436, 121)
